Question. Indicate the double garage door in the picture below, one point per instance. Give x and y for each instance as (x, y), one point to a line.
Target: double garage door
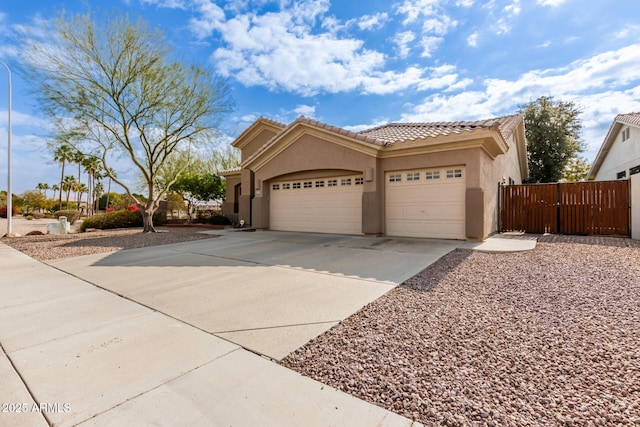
(426, 203)
(419, 203)
(321, 205)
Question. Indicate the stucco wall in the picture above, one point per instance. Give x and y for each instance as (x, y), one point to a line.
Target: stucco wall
(622, 155)
(501, 169)
(256, 143)
(635, 206)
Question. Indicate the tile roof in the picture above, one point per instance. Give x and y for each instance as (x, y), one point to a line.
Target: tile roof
(399, 132)
(630, 119)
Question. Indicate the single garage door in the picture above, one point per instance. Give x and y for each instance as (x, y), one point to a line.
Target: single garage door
(321, 205)
(426, 203)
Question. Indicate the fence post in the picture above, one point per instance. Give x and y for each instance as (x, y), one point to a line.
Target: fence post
(499, 207)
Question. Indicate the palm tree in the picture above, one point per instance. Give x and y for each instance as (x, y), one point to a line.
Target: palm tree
(63, 154)
(92, 168)
(68, 184)
(78, 158)
(81, 188)
(98, 189)
(109, 172)
(55, 187)
(43, 187)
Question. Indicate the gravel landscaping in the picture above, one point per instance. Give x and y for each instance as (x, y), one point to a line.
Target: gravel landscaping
(54, 246)
(547, 337)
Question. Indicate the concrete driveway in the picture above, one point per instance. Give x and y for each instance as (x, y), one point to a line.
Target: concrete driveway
(269, 292)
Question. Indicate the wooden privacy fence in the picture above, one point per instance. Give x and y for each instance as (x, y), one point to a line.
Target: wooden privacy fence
(586, 208)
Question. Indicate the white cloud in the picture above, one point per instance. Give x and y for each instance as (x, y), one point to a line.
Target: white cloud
(439, 26)
(436, 23)
(472, 40)
(369, 22)
(552, 3)
(285, 50)
(402, 40)
(465, 3)
(505, 23)
(211, 19)
(429, 44)
(169, 4)
(580, 82)
(628, 31)
(305, 110)
(414, 9)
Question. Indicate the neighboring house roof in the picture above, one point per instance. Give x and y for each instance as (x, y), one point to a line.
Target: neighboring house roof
(632, 119)
(230, 172)
(393, 133)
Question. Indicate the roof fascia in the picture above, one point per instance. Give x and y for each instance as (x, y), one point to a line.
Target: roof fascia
(254, 130)
(609, 139)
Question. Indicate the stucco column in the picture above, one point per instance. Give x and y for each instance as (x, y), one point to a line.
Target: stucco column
(474, 213)
(248, 191)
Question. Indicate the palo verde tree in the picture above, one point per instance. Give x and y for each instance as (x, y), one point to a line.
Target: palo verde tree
(552, 130)
(116, 86)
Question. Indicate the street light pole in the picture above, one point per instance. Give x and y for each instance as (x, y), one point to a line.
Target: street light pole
(9, 198)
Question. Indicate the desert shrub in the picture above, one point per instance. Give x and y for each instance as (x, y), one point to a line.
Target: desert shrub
(37, 215)
(118, 219)
(219, 220)
(29, 217)
(72, 216)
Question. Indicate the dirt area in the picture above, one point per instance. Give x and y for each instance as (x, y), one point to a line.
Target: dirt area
(53, 246)
(547, 337)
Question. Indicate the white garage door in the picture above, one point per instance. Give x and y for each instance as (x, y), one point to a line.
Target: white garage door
(322, 205)
(426, 203)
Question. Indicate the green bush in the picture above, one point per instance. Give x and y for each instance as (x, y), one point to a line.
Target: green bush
(118, 219)
(72, 216)
(219, 220)
(29, 217)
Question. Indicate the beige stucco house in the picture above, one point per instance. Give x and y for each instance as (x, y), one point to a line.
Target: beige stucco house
(436, 180)
(619, 155)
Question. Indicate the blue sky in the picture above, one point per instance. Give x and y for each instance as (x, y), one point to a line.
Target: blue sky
(358, 64)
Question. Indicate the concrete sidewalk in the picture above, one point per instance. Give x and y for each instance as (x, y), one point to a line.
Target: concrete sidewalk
(74, 354)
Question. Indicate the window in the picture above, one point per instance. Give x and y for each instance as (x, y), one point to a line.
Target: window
(621, 175)
(626, 134)
(286, 186)
(396, 177)
(319, 184)
(359, 181)
(345, 181)
(634, 170)
(332, 183)
(432, 175)
(413, 176)
(296, 185)
(308, 184)
(275, 187)
(454, 173)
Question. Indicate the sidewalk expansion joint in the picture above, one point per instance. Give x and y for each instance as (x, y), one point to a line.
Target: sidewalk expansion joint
(277, 327)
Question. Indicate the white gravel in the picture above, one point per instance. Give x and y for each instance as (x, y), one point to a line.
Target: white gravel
(548, 337)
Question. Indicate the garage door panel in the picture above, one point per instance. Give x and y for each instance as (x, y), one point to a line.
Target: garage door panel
(426, 207)
(335, 209)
